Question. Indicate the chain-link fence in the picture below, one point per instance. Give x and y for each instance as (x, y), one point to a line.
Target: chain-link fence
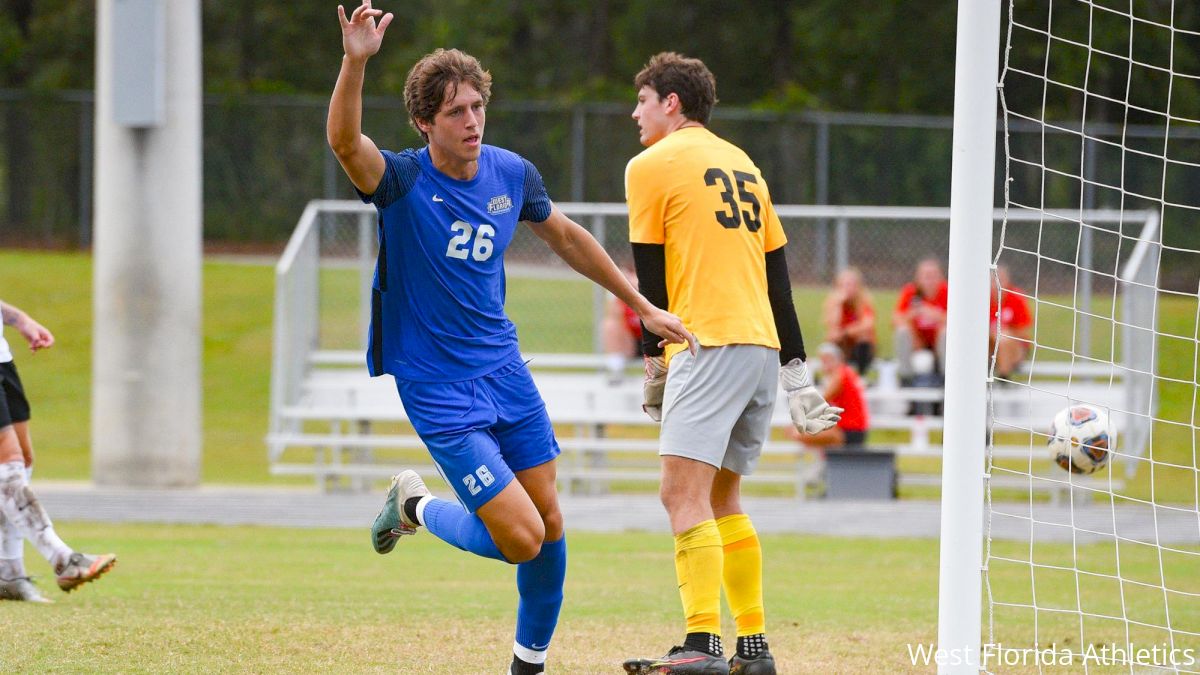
(265, 157)
(556, 310)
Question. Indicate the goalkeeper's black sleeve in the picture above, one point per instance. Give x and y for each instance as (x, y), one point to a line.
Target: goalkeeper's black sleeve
(779, 290)
(650, 262)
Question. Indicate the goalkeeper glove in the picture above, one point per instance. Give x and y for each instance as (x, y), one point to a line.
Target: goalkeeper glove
(652, 388)
(810, 413)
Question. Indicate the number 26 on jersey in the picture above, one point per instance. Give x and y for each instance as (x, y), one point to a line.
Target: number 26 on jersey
(472, 242)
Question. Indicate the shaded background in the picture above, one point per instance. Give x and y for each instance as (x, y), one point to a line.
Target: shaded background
(838, 101)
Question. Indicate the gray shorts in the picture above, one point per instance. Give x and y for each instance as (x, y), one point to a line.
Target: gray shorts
(717, 405)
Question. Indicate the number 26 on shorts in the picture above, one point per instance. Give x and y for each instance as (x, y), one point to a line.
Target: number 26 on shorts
(481, 475)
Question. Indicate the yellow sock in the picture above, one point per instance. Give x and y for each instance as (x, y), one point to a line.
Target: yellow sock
(698, 561)
(743, 573)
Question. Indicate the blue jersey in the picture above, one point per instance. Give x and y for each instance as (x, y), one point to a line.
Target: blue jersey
(438, 295)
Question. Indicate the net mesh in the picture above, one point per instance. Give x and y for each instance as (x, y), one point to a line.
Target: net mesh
(1101, 243)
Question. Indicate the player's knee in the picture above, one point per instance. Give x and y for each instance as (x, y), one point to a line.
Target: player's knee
(553, 523)
(523, 547)
(725, 502)
(524, 554)
(673, 498)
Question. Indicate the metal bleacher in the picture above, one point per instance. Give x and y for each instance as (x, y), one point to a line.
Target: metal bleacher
(331, 421)
(346, 427)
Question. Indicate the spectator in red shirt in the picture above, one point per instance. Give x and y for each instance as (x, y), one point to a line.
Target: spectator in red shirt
(843, 385)
(849, 315)
(1012, 324)
(621, 332)
(920, 316)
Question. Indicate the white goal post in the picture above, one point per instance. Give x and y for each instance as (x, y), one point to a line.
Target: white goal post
(971, 195)
(1100, 143)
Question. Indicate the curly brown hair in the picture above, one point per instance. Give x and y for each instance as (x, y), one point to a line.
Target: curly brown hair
(689, 79)
(425, 88)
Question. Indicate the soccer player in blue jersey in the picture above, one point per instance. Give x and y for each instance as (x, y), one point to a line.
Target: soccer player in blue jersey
(447, 212)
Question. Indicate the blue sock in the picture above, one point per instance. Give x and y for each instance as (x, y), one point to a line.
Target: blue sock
(540, 583)
(451, 523)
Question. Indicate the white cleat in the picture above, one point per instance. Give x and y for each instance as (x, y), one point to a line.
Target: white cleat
(391, 523)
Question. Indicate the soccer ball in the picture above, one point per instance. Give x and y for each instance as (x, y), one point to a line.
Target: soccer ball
(1081, 439)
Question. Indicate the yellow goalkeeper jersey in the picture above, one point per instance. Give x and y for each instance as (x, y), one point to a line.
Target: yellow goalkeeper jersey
(707, 203)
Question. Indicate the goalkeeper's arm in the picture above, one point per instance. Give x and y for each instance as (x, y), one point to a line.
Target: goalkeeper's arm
(810, 412)
(779, 290)
(650, 263)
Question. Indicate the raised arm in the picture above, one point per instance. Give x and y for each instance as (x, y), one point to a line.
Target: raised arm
(357, 153)
(34, 333)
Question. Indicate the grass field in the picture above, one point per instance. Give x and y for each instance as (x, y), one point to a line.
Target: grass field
(551, 316)
(212, 599)
(219, 599)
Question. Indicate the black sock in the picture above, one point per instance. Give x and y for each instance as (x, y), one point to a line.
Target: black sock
(410, 509)
(520, 667)
(709, 643)
(750, 646)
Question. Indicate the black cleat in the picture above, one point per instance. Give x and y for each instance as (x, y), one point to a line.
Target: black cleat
(679, 661)
(763, 664)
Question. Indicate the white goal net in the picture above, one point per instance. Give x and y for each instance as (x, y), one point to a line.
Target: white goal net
(1100, 138)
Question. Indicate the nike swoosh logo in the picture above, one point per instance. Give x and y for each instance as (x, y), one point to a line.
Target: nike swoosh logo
(437, 199)
(538, 648)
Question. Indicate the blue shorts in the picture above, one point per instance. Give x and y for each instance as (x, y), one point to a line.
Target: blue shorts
(481, 431)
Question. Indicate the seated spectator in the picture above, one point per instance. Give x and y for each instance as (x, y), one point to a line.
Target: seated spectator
(621, 333)
(842, 388)
(849, 315)
(1015, 323)
(920, 317)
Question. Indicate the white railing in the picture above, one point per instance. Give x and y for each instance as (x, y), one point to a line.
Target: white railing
(297, 341)
(296, 327)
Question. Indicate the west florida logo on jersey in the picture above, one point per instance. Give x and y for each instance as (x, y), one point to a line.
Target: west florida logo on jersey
(500, 204)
